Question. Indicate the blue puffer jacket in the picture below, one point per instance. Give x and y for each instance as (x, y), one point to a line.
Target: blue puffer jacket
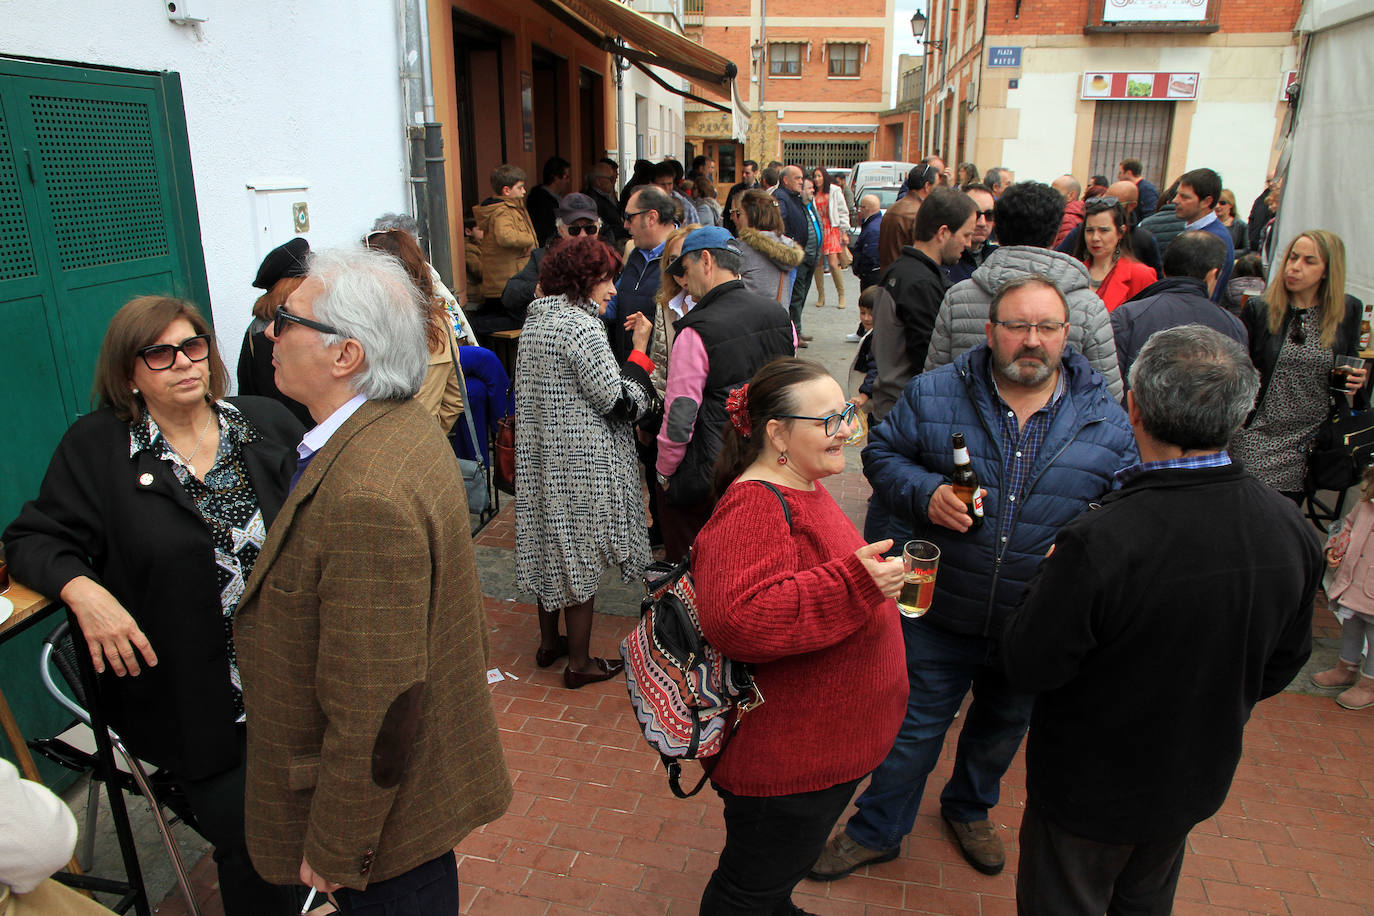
(910, 454)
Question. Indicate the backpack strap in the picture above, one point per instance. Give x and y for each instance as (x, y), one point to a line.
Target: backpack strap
(786, 510)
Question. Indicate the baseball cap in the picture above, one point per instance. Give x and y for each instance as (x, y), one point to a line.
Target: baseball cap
(713, 238)
(576, 206)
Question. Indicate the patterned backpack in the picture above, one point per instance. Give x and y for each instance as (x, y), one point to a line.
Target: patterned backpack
(688, 697)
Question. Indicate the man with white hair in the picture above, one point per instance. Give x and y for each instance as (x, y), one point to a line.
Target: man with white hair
(361, 639)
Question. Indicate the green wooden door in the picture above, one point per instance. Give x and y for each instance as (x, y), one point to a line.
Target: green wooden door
(96, 207)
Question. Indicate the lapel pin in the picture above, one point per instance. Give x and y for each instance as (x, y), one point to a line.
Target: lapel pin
(146, 479)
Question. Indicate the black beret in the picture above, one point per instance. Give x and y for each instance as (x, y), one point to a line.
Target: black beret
(283, 261)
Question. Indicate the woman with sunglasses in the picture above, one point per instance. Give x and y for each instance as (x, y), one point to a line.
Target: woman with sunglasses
(786, 583)
(1104, 246)
(1303, 322)
(147, 526)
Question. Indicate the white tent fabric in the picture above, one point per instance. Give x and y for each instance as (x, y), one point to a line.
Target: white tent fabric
(1333, 136)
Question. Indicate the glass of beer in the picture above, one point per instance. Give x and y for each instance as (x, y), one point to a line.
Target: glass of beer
(1341, 369)
(920, 560)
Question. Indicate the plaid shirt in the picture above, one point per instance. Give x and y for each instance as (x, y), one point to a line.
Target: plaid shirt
(1020, 448)
(1211, 460)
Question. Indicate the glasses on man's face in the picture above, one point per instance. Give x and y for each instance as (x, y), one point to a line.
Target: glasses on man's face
(1023, 328)
(164, 356)
(832, 421)
(631, 214)
(984, 214)
(581, 229)
(283, 317)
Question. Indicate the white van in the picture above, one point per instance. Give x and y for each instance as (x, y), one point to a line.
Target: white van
(874, 174)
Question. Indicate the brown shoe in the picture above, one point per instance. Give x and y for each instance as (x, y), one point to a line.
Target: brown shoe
(842, 855)
(1345, 674)
(1361, 696)
(980, 844)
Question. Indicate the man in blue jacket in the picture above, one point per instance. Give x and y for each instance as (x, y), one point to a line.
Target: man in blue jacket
(1046, 437)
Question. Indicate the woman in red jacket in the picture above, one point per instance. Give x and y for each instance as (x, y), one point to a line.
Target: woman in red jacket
(1105, 247)
(800, 596)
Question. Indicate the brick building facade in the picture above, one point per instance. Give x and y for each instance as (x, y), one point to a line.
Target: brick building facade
(813, 87)
(1076, 85)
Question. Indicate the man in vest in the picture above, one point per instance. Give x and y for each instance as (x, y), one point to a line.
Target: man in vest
(728, 335)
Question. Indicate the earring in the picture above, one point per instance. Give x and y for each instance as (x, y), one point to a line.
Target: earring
(782, 459)
(136, 392)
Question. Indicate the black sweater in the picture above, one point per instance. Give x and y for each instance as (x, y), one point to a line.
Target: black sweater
(1156, 625)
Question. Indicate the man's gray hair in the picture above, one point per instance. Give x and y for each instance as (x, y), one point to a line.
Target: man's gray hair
(396, 221)
(369, 297)
(1193, 386)
(652, 197)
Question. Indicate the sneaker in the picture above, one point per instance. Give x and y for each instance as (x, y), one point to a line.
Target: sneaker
(1345, 674)
(980, 844)
(1361, 696)
(842, 855)
(852, 338)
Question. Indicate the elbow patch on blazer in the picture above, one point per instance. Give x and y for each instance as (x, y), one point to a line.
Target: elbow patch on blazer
(396, 737)
(682, 416)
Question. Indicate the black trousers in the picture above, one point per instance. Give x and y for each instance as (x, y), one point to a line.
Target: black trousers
(217, 803)
(770, 844)
(430, 889)
(1061, 874)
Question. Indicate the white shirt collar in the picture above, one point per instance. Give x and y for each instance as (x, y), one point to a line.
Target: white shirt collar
(1201, 221)
(317, 437)
(682, 303)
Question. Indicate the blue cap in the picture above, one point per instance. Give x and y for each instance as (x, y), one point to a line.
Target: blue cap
(709, 237)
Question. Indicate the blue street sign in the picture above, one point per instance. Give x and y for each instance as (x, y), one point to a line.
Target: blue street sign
(1004, 56)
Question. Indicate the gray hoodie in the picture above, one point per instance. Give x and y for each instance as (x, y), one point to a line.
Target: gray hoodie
(964, 313)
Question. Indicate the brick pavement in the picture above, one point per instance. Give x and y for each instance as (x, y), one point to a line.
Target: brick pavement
(594, 829)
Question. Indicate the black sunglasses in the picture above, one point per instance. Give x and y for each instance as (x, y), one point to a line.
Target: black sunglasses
(282, 316)
(164, 356)
(985, 214)
(631, 214)
(580, 230)
(1298, 336)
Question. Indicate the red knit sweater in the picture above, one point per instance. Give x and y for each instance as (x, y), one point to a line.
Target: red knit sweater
(826, 647)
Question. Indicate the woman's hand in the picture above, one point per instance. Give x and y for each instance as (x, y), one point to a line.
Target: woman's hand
(1355, 380)
(859, 400)
(886, 571)
(1332, 559)
(641, 329)
(111, 633)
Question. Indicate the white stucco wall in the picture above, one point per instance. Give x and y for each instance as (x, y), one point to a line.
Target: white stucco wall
(1043, 149)
(305, 90)
(663, 129)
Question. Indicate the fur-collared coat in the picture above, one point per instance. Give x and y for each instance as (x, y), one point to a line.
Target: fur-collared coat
(769, 258)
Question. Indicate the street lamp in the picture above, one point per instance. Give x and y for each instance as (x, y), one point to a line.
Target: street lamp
(918, 31)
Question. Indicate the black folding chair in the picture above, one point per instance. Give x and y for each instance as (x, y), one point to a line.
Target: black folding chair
(79, 748)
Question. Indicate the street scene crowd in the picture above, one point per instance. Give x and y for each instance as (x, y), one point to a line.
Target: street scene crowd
(280, 592)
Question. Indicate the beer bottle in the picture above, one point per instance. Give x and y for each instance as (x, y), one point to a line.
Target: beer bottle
(965, 483)
(1364, 335)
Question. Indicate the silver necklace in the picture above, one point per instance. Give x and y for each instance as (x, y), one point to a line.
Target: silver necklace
(188, 458)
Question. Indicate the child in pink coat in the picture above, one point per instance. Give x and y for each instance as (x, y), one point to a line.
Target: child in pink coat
(1350, 552)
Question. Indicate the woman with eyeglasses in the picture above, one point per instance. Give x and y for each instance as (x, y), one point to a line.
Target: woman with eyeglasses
(769, 259)
(1226, 212)
(147, 526)
(1104, 246)
(1304, 321)
(786, 583)
(579, 506)
(279, 274)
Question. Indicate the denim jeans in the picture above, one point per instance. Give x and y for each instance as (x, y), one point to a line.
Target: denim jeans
(942, 666)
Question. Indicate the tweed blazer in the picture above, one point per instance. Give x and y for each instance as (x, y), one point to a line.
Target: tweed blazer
(372, 742)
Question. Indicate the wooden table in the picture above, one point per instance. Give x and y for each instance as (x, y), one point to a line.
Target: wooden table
(29, 608)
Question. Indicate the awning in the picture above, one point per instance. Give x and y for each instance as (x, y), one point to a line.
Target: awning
(616, 28)
(786, 128)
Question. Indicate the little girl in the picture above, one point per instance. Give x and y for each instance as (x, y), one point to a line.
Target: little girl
(1350, 551)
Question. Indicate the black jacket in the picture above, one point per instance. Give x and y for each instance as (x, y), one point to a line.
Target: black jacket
(542, 206)
(794, 218)
(1264, 346)
(519, 291)
(901, 332)
(146, 543)
(1168, 303)
(742, 332)
(1148, 662)
(1260, 215)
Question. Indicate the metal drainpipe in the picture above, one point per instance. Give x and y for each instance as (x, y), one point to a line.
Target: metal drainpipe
(763, 75)
(944, 72)
(425, 137)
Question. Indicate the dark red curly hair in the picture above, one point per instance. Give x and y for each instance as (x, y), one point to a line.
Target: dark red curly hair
(574, 266)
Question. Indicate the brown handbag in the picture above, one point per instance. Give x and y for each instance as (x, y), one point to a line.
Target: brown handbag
(503, 458)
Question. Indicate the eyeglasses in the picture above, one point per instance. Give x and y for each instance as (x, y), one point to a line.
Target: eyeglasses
(832, 422)
(164, 356)
(581, 230)
(631, 214)
(1043, 328)
(1105, 200)
(736, 212)
(985, 214)
(1298, 336)
(282, 316)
